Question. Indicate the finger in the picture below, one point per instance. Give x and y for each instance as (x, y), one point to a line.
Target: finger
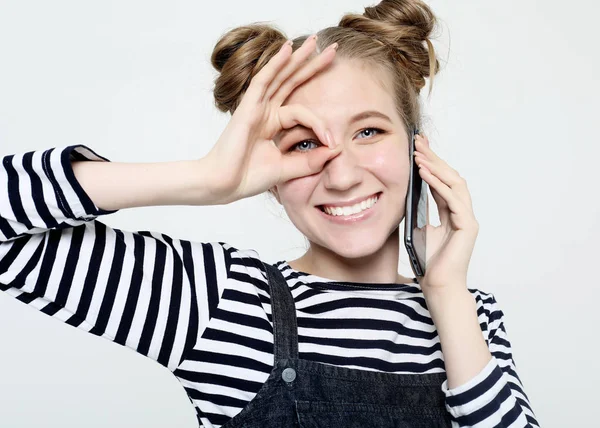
(448, 203)
(296, 114)
(442, 206)
(442, 170)
(261, 81)
(449, 199)
(305, 72)
(437, 165)
(296, 165)
(297, 59)
(439, 196)
(422, 146)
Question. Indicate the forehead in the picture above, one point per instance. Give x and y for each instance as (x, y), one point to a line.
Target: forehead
(343, 88)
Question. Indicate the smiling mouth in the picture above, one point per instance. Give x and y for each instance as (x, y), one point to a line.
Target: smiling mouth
(376, 195)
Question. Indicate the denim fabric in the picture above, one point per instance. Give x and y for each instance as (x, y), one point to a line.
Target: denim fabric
(307, 394)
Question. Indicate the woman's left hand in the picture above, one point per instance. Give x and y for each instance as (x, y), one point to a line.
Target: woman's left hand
(448, 246)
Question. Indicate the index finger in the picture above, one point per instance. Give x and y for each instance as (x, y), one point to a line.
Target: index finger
(260, 82)
(299, 58)
(305, 72)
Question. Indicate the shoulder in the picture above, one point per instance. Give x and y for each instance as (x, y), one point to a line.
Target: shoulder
(489, 313)
(483, 299)
(243, 264)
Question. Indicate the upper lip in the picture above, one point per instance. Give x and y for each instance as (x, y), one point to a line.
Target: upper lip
(350, 202)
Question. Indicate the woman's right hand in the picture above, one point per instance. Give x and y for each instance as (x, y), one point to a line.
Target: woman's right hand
(246, 160)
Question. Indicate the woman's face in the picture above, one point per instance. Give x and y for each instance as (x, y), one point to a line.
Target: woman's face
(370, 162)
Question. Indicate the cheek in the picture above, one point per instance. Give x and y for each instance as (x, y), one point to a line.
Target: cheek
(390, 165)
(297, 191)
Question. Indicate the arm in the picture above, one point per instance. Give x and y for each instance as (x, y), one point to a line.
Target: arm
(118, 185)
(483, 388)
(144, 290)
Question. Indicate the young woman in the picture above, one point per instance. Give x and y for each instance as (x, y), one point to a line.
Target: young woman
(334, 338)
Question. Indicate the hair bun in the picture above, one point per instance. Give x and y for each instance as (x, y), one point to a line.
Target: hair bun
(405, 27)
(238, 56)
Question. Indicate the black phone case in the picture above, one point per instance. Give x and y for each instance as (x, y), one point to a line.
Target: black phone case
(416, 215)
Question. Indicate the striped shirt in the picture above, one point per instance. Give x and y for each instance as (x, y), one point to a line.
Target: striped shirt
(202, 309)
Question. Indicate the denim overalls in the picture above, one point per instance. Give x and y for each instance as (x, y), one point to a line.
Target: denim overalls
(307, 394)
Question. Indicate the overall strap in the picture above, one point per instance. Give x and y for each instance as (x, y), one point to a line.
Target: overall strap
(285, 327)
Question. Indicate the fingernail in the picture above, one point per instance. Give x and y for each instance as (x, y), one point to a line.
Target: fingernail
(333, 46)
(288, 43)
(329, 138)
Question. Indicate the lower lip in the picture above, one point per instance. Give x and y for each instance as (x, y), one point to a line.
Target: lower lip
(363, 215)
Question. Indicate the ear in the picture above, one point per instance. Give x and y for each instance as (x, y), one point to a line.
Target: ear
(273, 190)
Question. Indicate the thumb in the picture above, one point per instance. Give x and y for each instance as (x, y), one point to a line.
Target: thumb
(303, 164)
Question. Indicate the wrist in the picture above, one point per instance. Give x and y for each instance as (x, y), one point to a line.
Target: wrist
(206, 186)
(449, 293)
(445, 303)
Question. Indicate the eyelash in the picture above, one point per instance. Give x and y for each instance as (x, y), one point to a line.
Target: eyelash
(379, 131)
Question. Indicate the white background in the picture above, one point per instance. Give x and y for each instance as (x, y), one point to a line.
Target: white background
(514, 110)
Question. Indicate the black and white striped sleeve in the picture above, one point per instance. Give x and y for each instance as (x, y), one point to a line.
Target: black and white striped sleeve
(494, 397)
(143, 290)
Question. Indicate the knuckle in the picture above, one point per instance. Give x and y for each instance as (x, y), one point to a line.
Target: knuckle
(259, 80)
(290, 84)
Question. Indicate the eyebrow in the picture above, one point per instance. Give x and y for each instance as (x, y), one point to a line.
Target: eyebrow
(357, 117)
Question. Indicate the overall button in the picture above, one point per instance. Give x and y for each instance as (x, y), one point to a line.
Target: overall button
(289, 374)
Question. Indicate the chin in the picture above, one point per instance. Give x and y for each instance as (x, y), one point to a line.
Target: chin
(355, 248)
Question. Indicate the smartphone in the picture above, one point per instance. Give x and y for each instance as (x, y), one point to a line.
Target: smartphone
(417, 214)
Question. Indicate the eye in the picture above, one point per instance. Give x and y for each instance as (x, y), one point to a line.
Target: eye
(377, 130)
(304, 142)
(370, 134)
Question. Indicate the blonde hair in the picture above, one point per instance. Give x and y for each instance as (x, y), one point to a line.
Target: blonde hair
(392, 37)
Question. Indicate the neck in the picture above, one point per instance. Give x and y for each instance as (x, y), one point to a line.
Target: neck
(378, 267)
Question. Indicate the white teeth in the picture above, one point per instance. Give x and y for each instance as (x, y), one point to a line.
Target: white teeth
(354, 209)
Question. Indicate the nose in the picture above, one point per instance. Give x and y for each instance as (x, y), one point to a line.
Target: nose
(343, 171)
